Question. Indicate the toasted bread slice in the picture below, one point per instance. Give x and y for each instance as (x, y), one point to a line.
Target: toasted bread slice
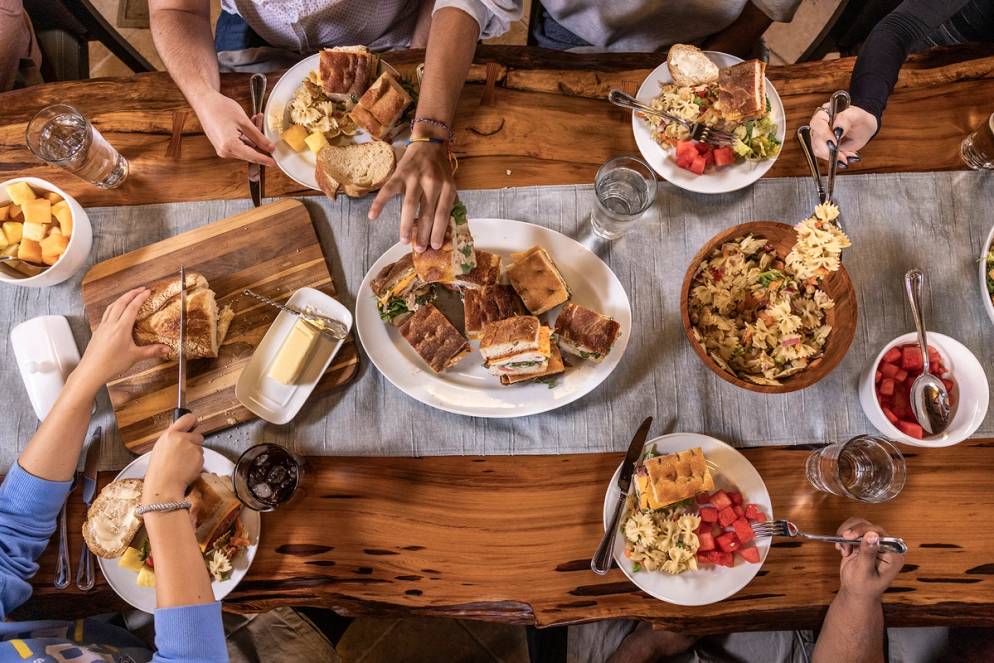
(673, 478)
(489, 304)
(510, 336)
(742, 91)
(537, 280)
(689, 65)
(586, 333)
(382, 106)
(356, 168)
(434, 338)
(111, 522)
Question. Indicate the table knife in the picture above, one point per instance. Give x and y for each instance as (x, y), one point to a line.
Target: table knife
(84, 572)
(329, 327)
(601, 562)
(257, 87)
(181, 408)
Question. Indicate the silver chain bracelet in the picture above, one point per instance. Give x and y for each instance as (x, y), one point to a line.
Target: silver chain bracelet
(162, 507)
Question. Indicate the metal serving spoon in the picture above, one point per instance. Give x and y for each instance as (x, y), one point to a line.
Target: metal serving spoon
(929, 398)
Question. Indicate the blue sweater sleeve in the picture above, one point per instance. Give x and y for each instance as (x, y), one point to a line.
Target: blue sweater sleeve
(191, 634)
(28, 509)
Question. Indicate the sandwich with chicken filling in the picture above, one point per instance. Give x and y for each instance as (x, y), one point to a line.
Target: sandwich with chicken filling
(516, 346)
(399, 291)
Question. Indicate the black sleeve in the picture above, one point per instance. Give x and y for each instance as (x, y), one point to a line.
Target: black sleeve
(887, 46)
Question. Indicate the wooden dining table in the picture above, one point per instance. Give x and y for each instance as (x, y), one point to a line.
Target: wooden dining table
(506, 538)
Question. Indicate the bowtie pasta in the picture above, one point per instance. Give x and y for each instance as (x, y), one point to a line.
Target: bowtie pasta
(662, 540)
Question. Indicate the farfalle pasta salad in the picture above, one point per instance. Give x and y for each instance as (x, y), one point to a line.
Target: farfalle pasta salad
(762, 317)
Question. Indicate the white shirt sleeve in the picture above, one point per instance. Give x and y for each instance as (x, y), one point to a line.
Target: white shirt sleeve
(494, 16)
(778, 10)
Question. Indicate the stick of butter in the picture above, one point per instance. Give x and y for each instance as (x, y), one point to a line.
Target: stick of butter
(294, 353)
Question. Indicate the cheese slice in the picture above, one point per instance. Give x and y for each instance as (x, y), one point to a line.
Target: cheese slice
(294, 353)
(398, 287)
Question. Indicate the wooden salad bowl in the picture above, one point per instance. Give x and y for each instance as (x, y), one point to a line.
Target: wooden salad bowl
(842, 317)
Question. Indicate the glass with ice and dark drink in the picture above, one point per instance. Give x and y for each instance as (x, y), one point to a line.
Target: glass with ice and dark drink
(266, 476)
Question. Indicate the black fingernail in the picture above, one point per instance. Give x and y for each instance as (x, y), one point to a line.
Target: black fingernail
(831, 144)
(854, 158)
(843, 165)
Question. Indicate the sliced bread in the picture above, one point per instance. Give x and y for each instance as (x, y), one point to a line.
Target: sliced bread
(111, 522)
(356, 169)
(689, 65)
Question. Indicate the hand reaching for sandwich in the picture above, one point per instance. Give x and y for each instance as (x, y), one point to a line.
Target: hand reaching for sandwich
(112, 349)
(177, 460)
(232, 133)
(424, 176)
(858, 127)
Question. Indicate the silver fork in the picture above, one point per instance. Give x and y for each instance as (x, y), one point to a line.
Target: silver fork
(698, 131)
(772, 528)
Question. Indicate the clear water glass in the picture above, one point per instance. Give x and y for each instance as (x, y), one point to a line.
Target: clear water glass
(60, 136)
(267, 476)
(865, 468)
(625, 187)
(977, 149)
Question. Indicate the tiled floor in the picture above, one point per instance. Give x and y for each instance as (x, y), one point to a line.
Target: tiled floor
(786, 41)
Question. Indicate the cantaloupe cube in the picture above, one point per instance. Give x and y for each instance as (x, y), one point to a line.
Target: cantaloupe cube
(53, 197)
(10, 250)
(63, 214)
(4, 212)
(54, 245)
(38, 210)
(29, 250)
(4, 242)
(20, 192)
(295, 137)
(316, 141)
(16, 213)
(34, 231)
(13, 231)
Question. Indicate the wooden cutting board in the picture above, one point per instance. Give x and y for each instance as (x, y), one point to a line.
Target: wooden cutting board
(271, 249)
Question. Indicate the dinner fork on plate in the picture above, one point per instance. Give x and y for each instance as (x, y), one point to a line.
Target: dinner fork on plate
(698, 130)
(772, 528)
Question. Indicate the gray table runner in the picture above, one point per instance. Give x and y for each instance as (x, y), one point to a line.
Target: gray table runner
(937, 221)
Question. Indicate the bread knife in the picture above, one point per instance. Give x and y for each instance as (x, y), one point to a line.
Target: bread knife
(181, 361)
(601, 562)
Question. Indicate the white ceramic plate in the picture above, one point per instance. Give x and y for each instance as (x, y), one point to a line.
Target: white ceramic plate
(123, 581)
(984, 294)
(279, 403)
(299, 166)
(708, 584)
(468, 388)
(718, 180)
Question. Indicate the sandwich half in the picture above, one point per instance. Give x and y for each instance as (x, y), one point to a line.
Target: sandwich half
(381, 107)
(214, 508)
(434, 338)
(537, 280)
(665, 480)
(585, 333)
(345, 72)
(206, 325)
(555, 367)
(516, 346)
(486, 272)
(742, 91)
(399, 292)
(490, 303)
(456, 256)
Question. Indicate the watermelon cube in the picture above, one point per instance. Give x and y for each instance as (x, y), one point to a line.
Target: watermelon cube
(911, 359)
(892, 356)
(720, 499)
(727, 516)
(728, 542)
(749, 554)
(754, 513)
(743, 530)
(708, 514)
(706, 540)
(908, 428)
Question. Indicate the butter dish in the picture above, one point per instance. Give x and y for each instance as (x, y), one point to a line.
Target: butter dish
(270, 398)
(46, 354)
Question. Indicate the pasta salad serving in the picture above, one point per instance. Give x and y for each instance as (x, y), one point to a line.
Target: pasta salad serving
(760, 316)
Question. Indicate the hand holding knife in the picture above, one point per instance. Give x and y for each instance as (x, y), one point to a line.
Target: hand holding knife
(601, 562)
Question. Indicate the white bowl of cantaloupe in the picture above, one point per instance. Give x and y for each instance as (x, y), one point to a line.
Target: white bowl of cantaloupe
(45, 229)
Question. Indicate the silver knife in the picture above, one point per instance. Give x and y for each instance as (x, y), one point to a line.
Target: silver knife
(601, 562)
(327, 326)
(84, 572)
(181, 361)
(257, 86)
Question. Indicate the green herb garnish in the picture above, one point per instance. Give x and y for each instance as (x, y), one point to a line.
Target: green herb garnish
(766, 278)
(458, 213)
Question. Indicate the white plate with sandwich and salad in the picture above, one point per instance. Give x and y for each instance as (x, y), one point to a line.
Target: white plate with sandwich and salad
(723, 92)
(337, 118)
(227, 532)
(685, 534)
(506, 319)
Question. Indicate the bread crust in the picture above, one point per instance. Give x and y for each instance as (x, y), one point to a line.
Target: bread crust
(490, 303)
(742, 91)
(555, 366)
(689, 65)
(587, 329)
(389, 275)
(332, 177)
(111, 511)
(206, 325)
(520, 330)
(382, 106)
(537, 280)
(486, 272)
(678, 476)
(434, 338)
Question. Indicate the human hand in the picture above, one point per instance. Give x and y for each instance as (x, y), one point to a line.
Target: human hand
(232, 133)
(177, 460)
(865, 571)
(425, 177)
(112, 349)
(858, 128)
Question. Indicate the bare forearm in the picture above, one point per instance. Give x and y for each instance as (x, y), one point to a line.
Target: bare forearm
(451, 46)
(853, 631)
(184, 41)
(54, 449)
(180, 574)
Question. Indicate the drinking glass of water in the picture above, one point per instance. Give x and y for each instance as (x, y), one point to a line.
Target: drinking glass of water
(624, 189)
(866, 468)
(977, 149)
(59, 135)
